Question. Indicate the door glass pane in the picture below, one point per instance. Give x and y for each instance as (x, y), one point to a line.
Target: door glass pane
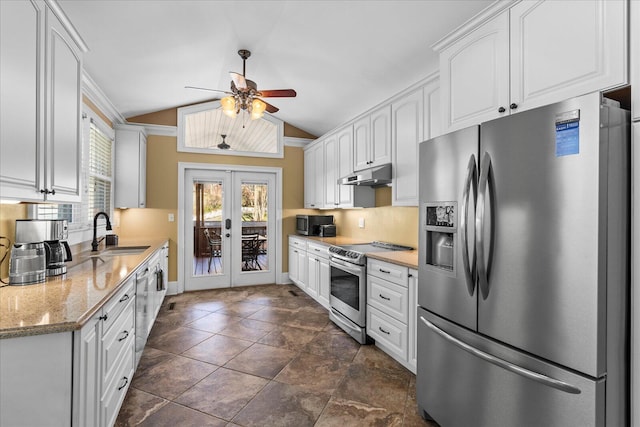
(254, 226)
(207, 221)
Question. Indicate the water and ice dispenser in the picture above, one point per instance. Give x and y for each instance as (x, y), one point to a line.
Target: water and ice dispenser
(441, 228)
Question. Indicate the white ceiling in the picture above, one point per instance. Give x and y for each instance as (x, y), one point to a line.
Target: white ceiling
(342, 57)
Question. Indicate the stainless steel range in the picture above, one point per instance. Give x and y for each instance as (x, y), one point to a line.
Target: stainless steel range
(348, 298)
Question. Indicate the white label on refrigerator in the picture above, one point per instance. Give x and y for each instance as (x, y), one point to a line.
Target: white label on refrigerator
(568, 133)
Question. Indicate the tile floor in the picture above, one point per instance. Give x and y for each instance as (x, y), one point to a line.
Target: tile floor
(262, 356)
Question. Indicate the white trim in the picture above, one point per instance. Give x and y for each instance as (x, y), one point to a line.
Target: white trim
(284, 279)
(474, 22)
(92, 91)
(66, 23)
(172, 288)
(161, 130)
(182, 169)
(290, 141)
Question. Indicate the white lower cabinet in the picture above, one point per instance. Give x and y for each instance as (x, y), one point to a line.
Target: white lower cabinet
(298, 262)
(391, 310)
(319, 272)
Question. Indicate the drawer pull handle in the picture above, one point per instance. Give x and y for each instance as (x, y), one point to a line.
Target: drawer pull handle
(384, 271)
(126, 334)
(126, 381)
(385, 298)
(105, 317)
(124, 297)
(383, 331)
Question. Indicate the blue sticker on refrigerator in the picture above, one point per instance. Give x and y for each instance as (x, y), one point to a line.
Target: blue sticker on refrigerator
(568, 133)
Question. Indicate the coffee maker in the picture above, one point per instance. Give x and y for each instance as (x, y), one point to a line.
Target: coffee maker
(53, 233)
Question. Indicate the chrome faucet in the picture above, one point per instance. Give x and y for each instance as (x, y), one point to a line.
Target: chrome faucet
(95, 241)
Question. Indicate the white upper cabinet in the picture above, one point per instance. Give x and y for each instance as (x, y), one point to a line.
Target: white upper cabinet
(474, 75)
(535, 53)
(130, 167)
(40, 74)
(344, 193)
(407, 118)
(561, 49)
(314, 176)
(372, 139)
(331, 171)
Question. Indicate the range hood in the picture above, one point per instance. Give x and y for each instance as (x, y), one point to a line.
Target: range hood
(372, 177)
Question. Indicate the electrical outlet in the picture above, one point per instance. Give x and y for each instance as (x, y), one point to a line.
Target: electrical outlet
(361, 222)
(172, 217)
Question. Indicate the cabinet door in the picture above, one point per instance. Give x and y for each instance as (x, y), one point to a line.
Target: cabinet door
(564, 49)
(87, 387)
(413, 319)
(130, 167)
(313, 177)
(64, 78)
(380, 140)
(331, 172)
(345, 166)
(21, 85)
(407, 134)
(324, 282)
(142, 171)
(432, 109)
(474, 75)
(361, 141)
(293, 264)
(312, 276)
(302, 269)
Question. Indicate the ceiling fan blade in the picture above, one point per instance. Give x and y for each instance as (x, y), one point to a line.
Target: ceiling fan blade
(270, 108)
(238, 80)
(205, 88)
(278, 93)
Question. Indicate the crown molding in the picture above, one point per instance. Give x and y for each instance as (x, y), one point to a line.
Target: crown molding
(92, 91)
(474, 22)
(64, 19)
(290, 141)
(161, 130)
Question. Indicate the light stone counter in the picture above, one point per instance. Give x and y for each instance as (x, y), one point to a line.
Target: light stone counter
(405, 258)
(65, 303)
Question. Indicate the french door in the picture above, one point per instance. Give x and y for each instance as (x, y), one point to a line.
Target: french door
(229, 228)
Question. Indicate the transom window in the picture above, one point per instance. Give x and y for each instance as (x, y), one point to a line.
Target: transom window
(201, 128)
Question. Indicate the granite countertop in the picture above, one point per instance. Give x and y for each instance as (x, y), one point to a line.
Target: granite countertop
(65, 303)
(404, 258)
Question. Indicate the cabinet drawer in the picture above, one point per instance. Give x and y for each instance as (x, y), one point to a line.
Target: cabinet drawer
(388, 332)
(388, 297)
(118, 339)
(117, 304)
(385, 270)
(318, 250)
(298, 243)
(116, 389)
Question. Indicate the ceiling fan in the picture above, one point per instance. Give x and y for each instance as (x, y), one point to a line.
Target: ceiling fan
(244, 94)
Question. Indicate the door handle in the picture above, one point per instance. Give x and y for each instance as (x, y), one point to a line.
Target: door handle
(483, 267)
(532, 375)
(469, 266)
(227, 224)
(227, 235)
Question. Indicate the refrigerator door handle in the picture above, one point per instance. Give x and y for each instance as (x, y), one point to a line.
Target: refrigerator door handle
(535, 376)
(469, 266)
(483, 281)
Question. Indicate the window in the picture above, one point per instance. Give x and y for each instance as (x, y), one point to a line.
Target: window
(97, 173)
(201, 128)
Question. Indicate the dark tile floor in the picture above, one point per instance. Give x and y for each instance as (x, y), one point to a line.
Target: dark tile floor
(262, 356)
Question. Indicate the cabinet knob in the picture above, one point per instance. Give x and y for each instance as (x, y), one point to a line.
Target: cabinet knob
(513, 106)
(103, 317)
(501, 110)
(124, 298)
(125, 335)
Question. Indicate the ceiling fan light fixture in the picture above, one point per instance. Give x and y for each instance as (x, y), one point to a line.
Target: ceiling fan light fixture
(228, 104)
(257, 108)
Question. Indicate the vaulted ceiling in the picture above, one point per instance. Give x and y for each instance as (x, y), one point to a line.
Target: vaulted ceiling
(342, 57)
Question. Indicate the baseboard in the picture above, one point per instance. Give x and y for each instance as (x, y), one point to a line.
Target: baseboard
(172, 288)
(284, 279)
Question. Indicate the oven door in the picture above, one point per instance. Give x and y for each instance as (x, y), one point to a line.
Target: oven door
(348, 290)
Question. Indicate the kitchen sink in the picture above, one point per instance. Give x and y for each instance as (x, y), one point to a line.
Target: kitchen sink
(121, 250)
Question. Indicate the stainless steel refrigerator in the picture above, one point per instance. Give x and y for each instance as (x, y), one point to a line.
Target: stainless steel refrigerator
(523, 316)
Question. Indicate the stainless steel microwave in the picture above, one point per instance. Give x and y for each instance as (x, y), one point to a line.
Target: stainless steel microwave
(309, 225)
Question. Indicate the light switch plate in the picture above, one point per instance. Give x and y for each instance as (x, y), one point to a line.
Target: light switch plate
(172, 217)
(361, 222)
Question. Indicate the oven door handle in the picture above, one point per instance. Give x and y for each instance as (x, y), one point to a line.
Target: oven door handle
(350, 268)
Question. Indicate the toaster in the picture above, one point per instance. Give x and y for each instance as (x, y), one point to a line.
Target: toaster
(328, 230)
